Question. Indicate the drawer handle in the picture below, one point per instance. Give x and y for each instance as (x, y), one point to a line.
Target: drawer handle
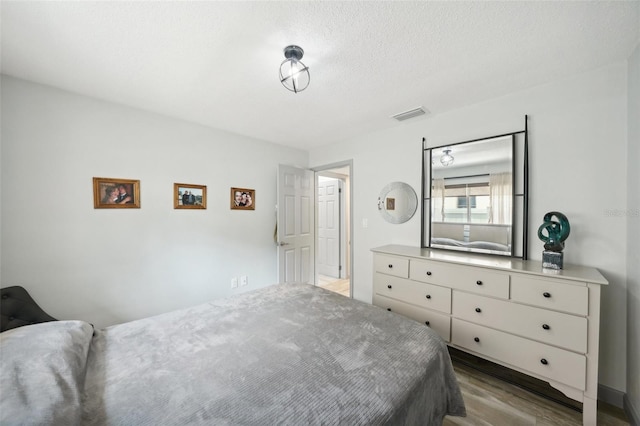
(546, 294)
(428, 296)
(427, 322)
(479, 282)
(544, 361)
(388, 285)
(389, 309)
(478, 310)
(390, 266)
(429, 273)
(546, 326)
(476, 339)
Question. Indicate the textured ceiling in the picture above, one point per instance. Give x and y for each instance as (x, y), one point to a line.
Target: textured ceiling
(216, 63)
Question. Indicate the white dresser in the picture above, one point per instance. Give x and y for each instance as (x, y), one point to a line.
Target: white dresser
(542, 323)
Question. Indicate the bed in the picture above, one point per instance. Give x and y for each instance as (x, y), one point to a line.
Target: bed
(286, 354)
(484, 238)
(482, 245)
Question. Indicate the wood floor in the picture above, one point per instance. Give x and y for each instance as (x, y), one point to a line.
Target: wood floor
(337, 285)
(491, 401)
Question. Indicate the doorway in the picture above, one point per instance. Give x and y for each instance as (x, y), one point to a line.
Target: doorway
(333, 252)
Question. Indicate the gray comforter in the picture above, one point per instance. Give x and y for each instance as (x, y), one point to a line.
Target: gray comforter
(286, 354)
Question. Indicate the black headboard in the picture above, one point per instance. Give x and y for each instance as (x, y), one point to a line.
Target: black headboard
(17, 308)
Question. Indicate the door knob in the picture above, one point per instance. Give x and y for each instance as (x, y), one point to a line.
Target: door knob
(283, 244)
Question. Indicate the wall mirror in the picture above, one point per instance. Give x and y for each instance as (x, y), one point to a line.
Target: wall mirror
(397, 202)
(475, 196)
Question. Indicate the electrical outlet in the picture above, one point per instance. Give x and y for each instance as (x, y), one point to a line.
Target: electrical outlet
(234, 282)
(244, 280)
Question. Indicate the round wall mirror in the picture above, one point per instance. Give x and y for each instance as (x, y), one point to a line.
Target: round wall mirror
(397, 202)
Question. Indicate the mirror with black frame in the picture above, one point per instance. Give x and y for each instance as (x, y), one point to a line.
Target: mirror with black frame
(475, 196)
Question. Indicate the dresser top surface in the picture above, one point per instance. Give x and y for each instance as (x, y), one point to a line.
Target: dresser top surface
(532, 267)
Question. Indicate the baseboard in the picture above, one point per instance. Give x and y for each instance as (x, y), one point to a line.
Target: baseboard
(611, 396)
(632, 412)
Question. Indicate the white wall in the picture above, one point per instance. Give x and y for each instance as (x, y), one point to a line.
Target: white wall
(633, 232)
(108, 266)
(577, 146)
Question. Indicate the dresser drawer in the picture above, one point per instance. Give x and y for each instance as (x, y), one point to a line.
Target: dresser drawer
(476, 280)
(547, 361)
(550, 294)
(391, 265)
(440, 323)
(555, 328)
(426, 295)
(431, 272)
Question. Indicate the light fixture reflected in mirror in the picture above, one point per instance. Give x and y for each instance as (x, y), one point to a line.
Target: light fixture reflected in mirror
(447, 158)
(294, 75)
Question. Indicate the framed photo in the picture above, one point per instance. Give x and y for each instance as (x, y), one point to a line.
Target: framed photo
(187, 196)
(391, 203)
(110, 193)
(243, 199)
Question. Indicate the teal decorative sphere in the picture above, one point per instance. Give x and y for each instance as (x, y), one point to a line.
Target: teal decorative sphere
(557, 231)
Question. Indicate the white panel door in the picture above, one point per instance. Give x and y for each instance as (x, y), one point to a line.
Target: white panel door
(295, 225)
(328, 257)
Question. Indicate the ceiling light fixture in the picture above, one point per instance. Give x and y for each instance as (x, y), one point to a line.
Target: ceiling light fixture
(294, 75)
(447, 158)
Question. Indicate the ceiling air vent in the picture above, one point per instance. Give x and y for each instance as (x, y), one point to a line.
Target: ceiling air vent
(411, 114)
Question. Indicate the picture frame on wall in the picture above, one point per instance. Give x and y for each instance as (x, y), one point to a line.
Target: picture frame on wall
(189, 196)
(113, 193)
(243, 199)
(391, 203)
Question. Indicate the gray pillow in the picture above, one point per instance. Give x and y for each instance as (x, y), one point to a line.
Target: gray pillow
(42, 373)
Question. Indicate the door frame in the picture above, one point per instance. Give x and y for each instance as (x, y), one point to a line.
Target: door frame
(349, 217)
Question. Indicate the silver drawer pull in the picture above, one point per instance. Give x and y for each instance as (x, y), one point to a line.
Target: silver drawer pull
(476, 339)
(544, 361)
(546, 294)
(546, 326)
(478, 310)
